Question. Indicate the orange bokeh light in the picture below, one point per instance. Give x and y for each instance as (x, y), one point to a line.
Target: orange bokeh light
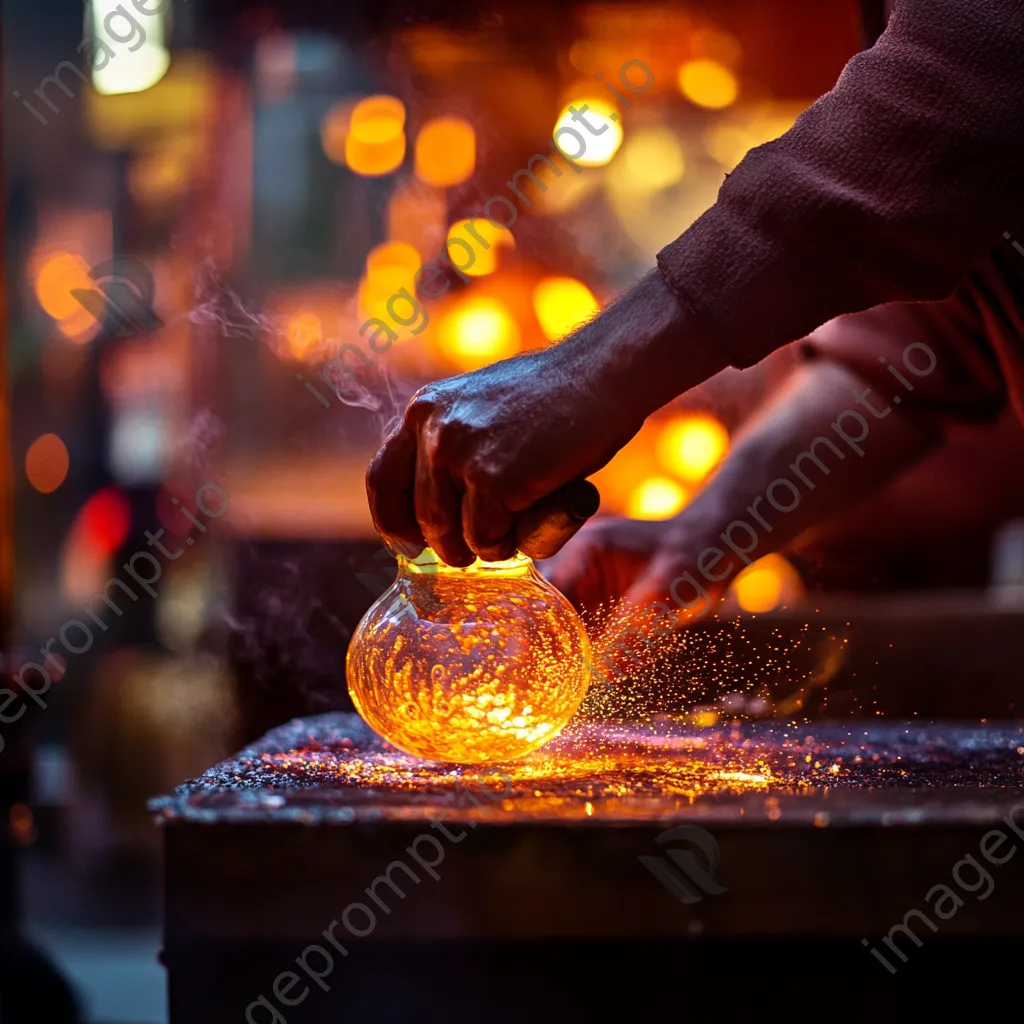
(46, 463)
(372, 159)
(477, 332)
(445, 152)
(561, 304)
(59, 276)
(691, 446)
(377, 119)
(485, 259)
(375, 140)
(762, 586)
(657, 497)
(708, 84)
(390, 268)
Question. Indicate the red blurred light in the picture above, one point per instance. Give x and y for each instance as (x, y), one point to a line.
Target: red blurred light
(104, 521)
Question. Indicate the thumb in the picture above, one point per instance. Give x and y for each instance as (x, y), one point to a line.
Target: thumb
(671, 580)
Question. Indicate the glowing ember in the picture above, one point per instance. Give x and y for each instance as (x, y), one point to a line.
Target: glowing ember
(468, 665)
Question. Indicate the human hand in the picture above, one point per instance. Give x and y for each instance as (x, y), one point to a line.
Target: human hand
(634, 562)
(475, 451)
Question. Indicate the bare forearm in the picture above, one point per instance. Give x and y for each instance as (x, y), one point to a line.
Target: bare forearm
(643, 351)
(809, 455)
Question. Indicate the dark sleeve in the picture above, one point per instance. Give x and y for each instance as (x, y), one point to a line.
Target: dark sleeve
(888, 188)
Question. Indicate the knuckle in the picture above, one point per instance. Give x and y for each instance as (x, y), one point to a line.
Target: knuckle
(483, 475)
(422, 402)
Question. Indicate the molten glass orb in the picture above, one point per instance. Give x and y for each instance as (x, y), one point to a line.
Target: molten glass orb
(468, 665)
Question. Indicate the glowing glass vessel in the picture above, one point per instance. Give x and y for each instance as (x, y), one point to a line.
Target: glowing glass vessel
(478, 664)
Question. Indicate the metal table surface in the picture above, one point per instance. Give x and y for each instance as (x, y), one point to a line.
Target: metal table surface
(823, 834)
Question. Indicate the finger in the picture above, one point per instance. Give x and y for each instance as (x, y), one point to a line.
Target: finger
(548, 524)
(670, 581)
(439, 507)
(487, 525)
(390, 481)
(573, 569)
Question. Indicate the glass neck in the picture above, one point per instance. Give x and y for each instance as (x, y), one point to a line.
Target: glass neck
(428, 564)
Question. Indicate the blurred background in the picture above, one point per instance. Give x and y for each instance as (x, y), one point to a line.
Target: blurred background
(205, 200)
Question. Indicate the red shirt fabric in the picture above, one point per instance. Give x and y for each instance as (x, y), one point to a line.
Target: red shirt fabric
(900, 185)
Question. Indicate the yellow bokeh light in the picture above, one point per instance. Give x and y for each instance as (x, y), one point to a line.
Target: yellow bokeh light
(708, 84)
(46, 463)
(377, 119)
(445, 152)
(657, 497)
(691, 446)
(375, 142)
(653, 158)
(390, 268)
(485, 255)
(478, 332)
(562, 303)
(305, 334)
(759, 588)
(600, 145)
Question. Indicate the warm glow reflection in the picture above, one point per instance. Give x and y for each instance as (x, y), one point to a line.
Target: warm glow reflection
(657, 497)
(601, 145)
(562, 303)
(375, 143)
(485, 254)
(305, 334)
(132, 60)
(691, 446)
(478, 332)
(445, 152)
(759, 588)
(653, 158)
(46, 463)
(708, 84)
